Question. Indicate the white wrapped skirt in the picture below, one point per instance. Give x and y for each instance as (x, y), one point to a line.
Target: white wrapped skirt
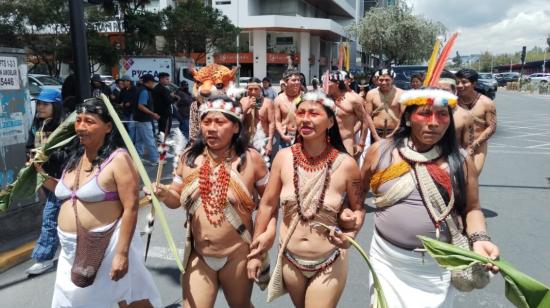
(136, 285)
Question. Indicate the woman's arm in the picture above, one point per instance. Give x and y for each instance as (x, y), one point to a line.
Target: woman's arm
(268, 207)
(356, 196)
(170, 194)
(127, 183)
(475, 220)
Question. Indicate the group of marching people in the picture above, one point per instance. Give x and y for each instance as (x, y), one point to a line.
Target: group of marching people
(302, 159)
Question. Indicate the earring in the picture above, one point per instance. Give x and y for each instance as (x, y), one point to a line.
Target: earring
(327, 137)
(408, 123)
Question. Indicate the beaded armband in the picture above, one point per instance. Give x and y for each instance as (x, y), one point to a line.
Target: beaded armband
(479, 236)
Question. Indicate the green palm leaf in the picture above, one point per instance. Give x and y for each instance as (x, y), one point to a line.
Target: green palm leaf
(520, 289)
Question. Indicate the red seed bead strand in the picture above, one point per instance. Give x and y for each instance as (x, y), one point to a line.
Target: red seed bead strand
(213, 194)
(321, 161)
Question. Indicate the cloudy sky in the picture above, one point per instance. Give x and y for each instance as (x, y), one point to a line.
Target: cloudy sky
(497, 26)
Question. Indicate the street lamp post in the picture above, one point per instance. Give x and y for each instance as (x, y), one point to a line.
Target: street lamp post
(80, 49)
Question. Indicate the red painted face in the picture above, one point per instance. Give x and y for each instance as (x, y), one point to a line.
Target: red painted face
(429, 124)
(217, 130)
(312, 120)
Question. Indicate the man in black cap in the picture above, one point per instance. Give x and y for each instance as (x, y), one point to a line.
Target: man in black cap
(162, 100)
(128, 101)
(143, 117)
(98, 86)
(183, 104)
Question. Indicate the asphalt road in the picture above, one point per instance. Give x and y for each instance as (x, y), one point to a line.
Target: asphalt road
(514, 192)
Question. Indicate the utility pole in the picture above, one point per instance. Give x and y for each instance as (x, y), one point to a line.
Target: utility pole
(238, 39)
(80, 50)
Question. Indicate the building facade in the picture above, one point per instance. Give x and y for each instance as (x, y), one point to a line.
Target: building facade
(301, 33)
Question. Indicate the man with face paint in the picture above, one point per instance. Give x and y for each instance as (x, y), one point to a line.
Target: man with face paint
(285, 106)
(382, 105)
(483, 111)
(259, 119)
(351, 115)
(464, 121)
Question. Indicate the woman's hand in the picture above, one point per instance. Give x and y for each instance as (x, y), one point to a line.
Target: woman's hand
(347, 219)
(253, 267)
(160, 190)
(260, 245)
(338, 238)
(489, 250)
(119, 267)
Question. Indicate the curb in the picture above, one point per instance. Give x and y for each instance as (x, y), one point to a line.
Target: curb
(16, 256)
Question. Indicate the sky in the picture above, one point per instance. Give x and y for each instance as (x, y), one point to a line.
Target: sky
(497, 26)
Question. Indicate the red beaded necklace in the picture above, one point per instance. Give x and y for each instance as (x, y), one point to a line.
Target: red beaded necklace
(214, 194)
(310, 164)
(313, 163)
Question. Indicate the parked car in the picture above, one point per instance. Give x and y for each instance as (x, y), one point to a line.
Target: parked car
(486, 90)
(44, 81)
(540, 77)
(403, 74)
(487, 78)
(504, 78)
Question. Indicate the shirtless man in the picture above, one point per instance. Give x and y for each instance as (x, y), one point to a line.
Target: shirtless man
(350, 113)
(259, 119)
(464, 122)
(285, 120)
(483, 111)
(382, 105)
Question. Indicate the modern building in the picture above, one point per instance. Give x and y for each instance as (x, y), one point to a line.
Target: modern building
(302, 33)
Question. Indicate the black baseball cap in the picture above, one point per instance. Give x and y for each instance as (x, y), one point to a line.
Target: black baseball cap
(147, 77)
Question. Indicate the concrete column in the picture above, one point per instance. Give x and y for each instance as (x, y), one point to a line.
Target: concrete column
(304, 54)
(259, 53)
(316, 53)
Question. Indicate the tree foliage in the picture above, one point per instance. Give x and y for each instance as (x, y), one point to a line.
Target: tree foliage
(397, 34)
(42, 27)
(193, 27)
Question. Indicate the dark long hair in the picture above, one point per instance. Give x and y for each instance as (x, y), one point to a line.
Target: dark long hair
(449, 149)
(333, 132)
(51, 125)
(111, 142)
(239, 141)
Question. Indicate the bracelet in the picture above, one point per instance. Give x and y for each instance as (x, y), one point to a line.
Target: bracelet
(479, 236)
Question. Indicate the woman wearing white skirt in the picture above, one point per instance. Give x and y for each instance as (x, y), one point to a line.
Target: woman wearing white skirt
(101, 256)
(422, 185)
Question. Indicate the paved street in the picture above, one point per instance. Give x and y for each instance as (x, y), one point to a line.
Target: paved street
(514, 191)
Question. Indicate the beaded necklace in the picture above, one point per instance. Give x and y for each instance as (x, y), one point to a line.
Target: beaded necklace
(310, 164)
(470, 105)
(214, 194)
(436, 207)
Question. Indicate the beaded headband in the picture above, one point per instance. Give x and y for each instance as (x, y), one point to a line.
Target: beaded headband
(337, 76)
(385, 71)
(319, 97)
(431, 97)
(450, 81)
(253, 84)
(220, 105)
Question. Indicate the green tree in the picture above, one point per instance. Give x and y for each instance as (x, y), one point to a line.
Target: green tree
(193, 27)
(397, 34)
(42, 27)
(140, 27)
(457, 60)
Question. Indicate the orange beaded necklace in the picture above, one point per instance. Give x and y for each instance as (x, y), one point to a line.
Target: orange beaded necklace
(214, 193)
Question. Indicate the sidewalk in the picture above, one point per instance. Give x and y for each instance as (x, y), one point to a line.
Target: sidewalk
(526, 93)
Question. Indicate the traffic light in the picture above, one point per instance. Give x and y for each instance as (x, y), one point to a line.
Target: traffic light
(523, 51)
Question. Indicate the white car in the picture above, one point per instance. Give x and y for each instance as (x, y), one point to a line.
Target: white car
(539, 77)
(45, 81)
